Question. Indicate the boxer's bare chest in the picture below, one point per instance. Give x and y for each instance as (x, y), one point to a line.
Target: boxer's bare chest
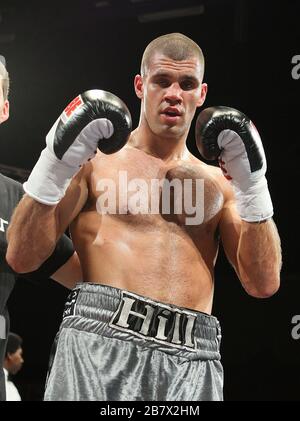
(139, 189)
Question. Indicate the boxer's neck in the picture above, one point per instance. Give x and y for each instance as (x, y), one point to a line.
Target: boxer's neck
(165, 149)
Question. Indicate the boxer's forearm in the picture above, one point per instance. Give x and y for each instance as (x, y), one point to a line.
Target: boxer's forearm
(32, 235)
(259, 258)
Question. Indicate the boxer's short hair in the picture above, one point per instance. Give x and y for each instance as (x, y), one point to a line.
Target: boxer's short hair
(176, 46)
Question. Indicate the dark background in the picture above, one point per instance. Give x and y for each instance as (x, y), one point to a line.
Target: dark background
(56, 50)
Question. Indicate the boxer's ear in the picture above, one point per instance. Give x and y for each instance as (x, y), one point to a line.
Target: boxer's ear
(203, 94)
(139, 86)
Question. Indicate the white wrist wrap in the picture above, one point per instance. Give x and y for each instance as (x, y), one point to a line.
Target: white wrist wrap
(49, 179)
(254, 204)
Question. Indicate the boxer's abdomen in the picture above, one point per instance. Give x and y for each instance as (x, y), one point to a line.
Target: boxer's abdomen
(156, 258)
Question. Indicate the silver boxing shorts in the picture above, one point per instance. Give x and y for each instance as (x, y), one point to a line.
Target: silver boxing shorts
(114, 345)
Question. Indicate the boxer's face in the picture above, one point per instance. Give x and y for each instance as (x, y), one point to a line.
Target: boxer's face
(170, 92)
(4, 105)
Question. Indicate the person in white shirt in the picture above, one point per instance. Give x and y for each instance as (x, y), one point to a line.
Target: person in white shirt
(13, 362)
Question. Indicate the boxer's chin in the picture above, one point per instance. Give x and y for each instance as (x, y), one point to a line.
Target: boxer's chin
(172, 132)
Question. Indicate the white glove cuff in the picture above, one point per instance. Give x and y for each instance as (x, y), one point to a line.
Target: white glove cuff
(254, 204)
(49, 179)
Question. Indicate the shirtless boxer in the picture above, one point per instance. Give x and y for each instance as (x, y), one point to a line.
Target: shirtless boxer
(63, 265)
(140, 328)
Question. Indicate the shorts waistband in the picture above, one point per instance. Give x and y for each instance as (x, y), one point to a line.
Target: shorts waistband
(114, 312)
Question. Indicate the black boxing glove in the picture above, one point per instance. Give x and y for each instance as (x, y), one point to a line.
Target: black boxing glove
(94, 119)
(230, 136)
